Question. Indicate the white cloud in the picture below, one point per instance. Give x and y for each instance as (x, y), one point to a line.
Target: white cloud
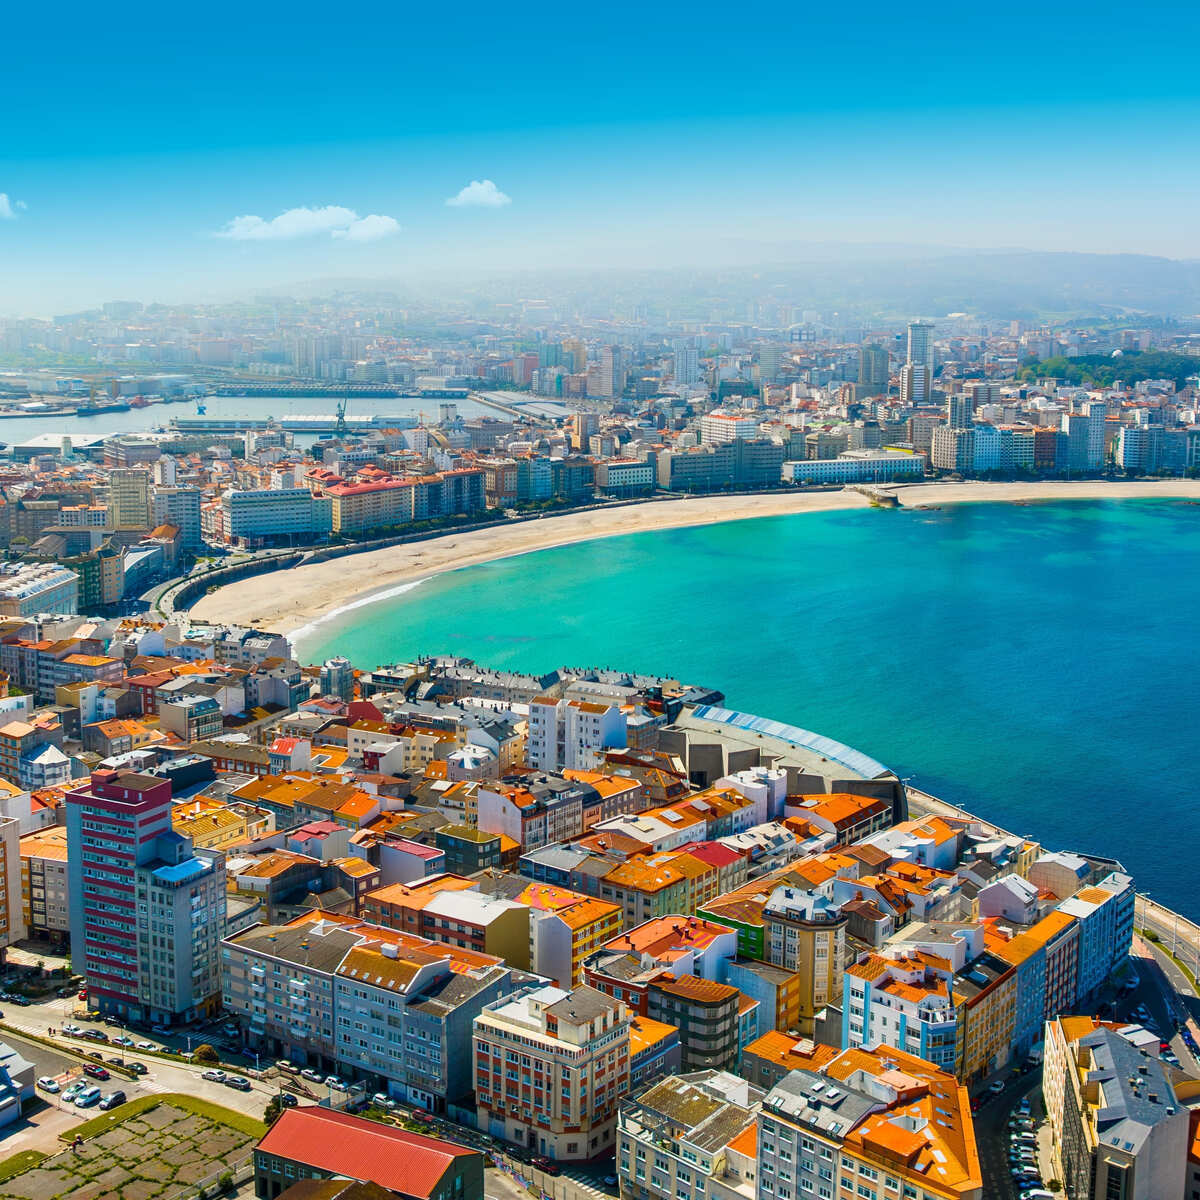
(9, 208)
(480, 193)
(334, 220)
(369, 229)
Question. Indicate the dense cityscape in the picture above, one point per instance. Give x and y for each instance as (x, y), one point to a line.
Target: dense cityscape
(599, 604)
(585, 930)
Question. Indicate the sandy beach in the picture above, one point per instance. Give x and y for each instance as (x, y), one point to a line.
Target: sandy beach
(287, 601)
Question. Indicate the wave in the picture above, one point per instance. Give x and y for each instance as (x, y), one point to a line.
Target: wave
(305, 631)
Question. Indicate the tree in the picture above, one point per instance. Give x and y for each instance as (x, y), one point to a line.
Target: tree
(204, 1053)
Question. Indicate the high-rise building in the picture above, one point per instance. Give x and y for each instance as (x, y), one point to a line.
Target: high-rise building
(179, 506)
(687, 362)
(129, 505)
(147, 909)
(770, 362)
(960, 410)
(915, 388)
(872, 370)
(574, 353)
(920, 344)
(916, 379)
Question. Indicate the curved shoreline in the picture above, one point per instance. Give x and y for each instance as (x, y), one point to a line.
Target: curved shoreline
(316, 592)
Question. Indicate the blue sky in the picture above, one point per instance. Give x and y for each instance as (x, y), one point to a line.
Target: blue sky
(622, 134)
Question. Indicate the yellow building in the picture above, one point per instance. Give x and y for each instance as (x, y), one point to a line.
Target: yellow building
(210, 824)
(44, 892)
(12, 916)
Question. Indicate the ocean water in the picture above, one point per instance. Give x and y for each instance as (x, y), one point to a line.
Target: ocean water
(1037, 664)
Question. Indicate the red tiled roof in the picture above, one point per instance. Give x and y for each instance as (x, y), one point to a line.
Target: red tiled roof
(359, 1149)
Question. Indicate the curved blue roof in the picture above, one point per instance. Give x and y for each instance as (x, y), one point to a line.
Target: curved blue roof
(847, 756)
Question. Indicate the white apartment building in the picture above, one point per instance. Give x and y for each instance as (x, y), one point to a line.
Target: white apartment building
(904, 1001)
(550, 1069)
(572, 734)
(722, 426)
(856, 466)
(250, 517)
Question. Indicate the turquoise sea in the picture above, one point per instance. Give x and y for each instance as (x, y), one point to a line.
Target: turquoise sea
(1038, 664)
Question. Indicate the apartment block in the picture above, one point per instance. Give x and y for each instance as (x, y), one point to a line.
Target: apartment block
(551, 1067)
(147, 910)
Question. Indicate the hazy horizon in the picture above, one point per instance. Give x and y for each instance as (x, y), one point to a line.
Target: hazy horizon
(155, 159)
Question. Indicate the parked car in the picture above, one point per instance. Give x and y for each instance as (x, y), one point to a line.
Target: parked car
(160, 1029)
(238, 1082)
(287, 1100)
(47, 1084)
(112, 1100)
(137, 1068)
(996, 1087)
(88, 1097)
(311, 1075)
(146, 1046)
(71, 1027)
(289, 1068)
(380, 1100)
(122, 1040)
(96, 1071)
(94, 1035)
(71, 1091)
(214, 1075)
(332, 1081)
(548, 1165)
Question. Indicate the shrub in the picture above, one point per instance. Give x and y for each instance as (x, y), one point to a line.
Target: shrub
(204, 1053)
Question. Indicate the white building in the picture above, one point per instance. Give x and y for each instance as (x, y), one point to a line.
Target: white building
(721, 426)
(252, 517)
(572, 734)
(28, 589)
(856, 466)
(904, 1001)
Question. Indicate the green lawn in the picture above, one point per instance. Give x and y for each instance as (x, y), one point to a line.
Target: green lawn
(202, 1108)
(19, 1163)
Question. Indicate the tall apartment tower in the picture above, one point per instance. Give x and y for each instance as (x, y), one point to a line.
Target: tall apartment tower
(872, 370)
(147, 910)
(129, 505)
(919, 362)
(687, 362)
(960, 410)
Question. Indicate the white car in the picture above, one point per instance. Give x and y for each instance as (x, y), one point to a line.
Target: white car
(71, 1027)
(47, 1084)
(146, 1046)
(88, 1097)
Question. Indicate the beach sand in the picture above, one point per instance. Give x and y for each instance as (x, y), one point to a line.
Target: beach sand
(285, 601)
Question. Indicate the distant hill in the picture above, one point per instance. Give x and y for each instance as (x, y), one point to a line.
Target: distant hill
(869, 281)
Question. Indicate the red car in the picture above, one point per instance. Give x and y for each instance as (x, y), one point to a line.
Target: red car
(82, 994)
(96, 1072)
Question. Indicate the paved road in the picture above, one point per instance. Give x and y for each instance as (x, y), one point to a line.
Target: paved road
(162, 1075)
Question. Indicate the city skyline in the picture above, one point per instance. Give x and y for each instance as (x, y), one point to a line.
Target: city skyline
(133, 168)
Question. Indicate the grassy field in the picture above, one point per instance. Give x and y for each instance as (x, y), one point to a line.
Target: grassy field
(149, 1149)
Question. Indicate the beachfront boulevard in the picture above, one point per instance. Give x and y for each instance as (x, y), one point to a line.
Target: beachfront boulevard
(596, 930)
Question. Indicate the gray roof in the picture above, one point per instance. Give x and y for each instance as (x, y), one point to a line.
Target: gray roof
(819, 1102)
(317, 945)
(1137, 1093)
